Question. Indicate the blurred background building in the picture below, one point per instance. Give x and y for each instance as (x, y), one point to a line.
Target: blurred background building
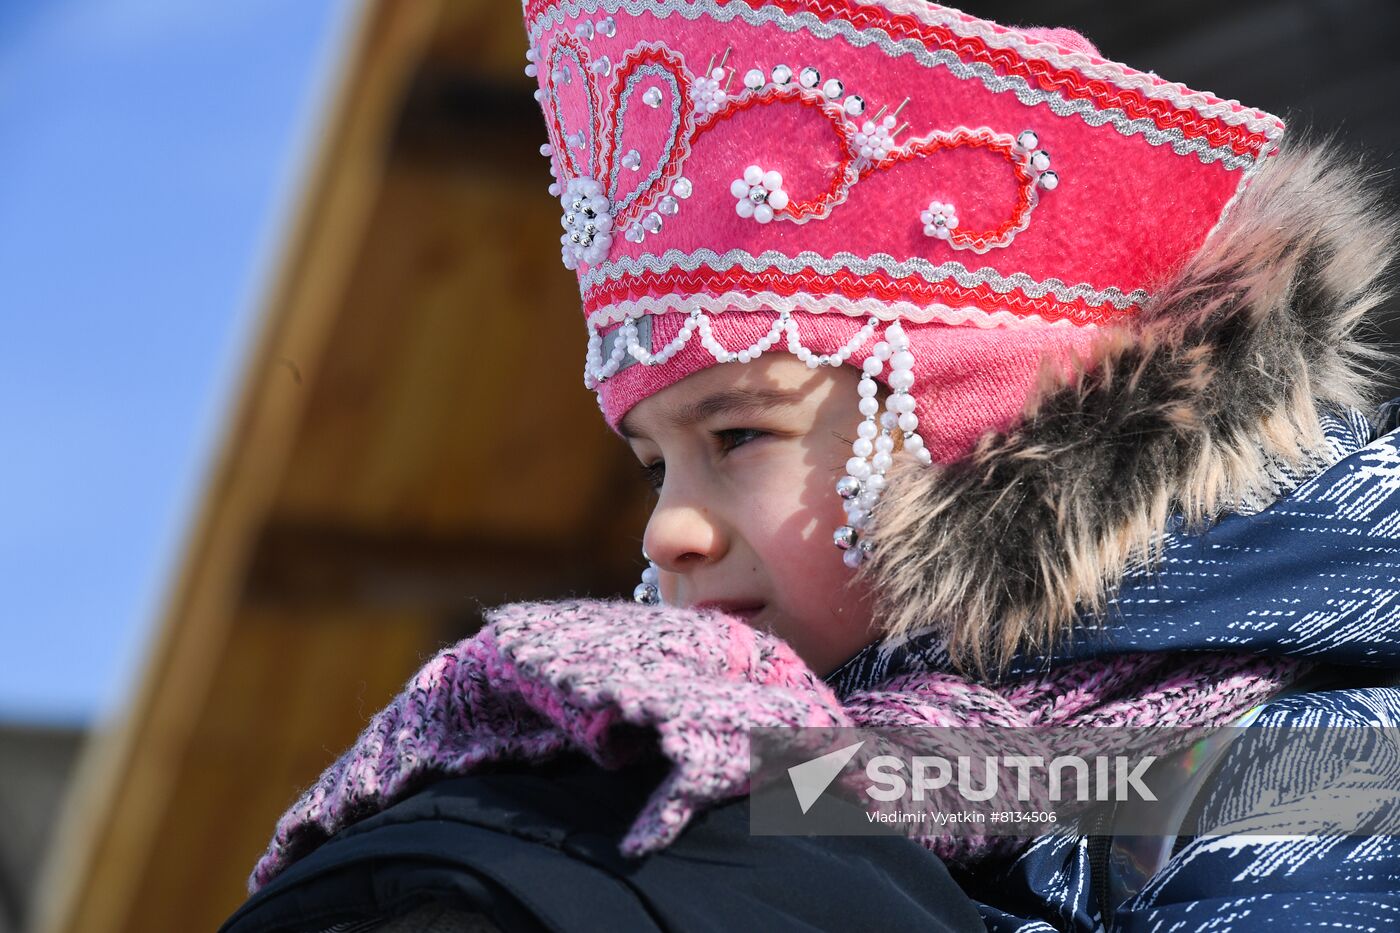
(361, 466)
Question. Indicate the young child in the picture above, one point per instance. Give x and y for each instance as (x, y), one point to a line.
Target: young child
(982, 380)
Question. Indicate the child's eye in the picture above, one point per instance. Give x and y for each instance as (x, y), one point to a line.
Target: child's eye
(655, 473)
(747, 434)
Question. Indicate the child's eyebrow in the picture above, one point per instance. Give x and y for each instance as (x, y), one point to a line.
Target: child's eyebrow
(734, 400)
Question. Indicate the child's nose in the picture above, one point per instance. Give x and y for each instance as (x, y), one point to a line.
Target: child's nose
(683, 536)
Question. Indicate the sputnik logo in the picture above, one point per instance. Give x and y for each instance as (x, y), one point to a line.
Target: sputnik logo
(810, 778)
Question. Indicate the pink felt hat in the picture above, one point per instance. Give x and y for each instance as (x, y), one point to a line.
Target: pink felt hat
(737, 176)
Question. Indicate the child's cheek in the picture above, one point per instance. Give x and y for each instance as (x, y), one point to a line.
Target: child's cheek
(791, 530)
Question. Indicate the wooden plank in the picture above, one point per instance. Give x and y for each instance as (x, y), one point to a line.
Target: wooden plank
(452, 398)
(485, 35)
(317, 567)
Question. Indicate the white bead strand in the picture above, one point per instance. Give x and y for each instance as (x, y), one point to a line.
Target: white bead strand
(596, 369)
(648, 592)
(643, 355)
(874, 446)
(749, 353)
(856, 486)
(900, 405)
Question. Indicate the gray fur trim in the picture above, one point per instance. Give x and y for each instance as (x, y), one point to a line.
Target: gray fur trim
(1190, 409)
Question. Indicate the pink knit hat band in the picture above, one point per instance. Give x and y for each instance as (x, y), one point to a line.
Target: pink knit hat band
(970, 379)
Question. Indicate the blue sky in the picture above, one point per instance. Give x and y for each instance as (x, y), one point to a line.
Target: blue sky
(149, 150)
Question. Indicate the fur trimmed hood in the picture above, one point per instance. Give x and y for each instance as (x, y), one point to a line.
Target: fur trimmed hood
(1191, 409)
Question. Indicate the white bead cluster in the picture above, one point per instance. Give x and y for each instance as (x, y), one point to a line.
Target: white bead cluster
(648, 592)
(940, 219)
(875, 140)
(873, 449)
(759, 194)
(587, 222)
(709, 96)
(1038, 159)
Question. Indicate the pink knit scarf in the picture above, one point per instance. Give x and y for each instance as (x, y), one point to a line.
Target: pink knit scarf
(544, 678)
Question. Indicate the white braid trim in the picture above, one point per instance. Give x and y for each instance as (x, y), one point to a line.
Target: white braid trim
(820, 304)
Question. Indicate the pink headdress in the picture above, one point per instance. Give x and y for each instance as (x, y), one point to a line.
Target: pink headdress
(867, 182)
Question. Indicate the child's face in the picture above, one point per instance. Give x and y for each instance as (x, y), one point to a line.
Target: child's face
(746, 498)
